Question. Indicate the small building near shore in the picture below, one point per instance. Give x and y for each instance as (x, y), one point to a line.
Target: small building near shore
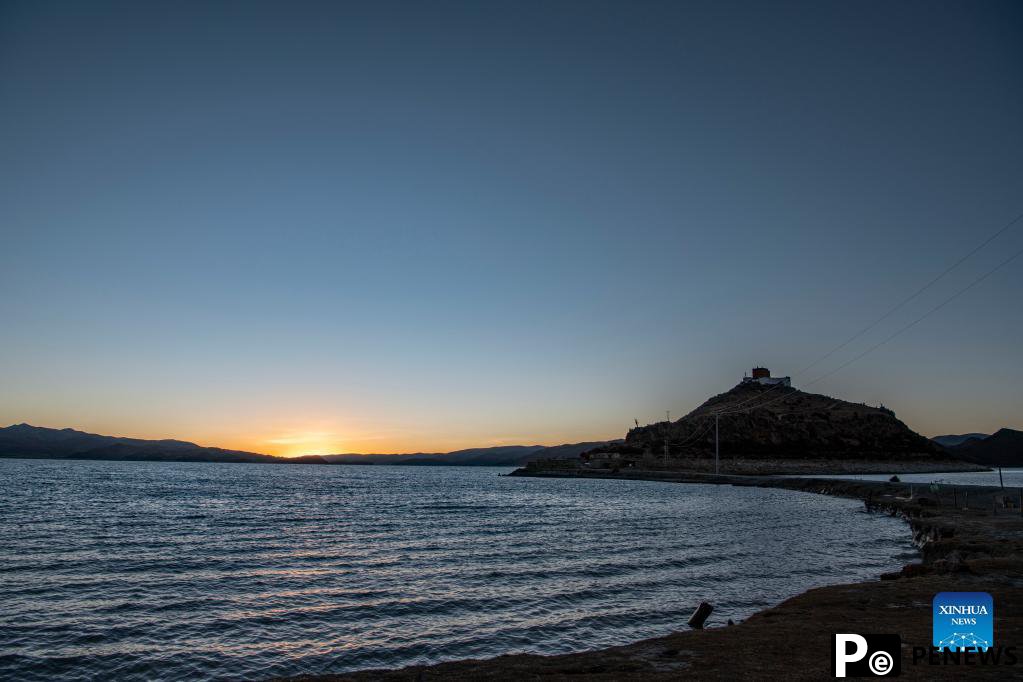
(762, 375)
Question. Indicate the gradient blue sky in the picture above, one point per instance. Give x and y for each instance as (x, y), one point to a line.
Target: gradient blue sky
(320, 227)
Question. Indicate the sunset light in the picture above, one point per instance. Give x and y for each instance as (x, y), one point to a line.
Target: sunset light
(307, 443)
(510, 340)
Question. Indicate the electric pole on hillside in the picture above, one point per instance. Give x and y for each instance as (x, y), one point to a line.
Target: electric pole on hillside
(717, 448)
(667, 418)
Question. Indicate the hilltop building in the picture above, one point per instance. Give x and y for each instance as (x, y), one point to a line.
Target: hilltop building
(762, 375)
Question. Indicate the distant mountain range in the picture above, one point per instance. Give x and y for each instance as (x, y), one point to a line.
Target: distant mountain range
(25, 440)
(1002, 448)
(36, 442)
(952, 441)
(504, 455)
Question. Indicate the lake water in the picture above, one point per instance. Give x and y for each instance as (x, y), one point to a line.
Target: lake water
(166, 571)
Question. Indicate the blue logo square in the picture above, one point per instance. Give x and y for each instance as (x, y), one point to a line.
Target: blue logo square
(963, 621)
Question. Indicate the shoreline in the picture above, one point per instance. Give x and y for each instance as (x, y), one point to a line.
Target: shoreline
(975, 549)
(768, 467)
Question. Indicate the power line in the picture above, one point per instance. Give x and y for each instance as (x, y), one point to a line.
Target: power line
(896, 333)
(732, 409)
(891, 311)
(924, 316)
(912, 296)
(692, 439)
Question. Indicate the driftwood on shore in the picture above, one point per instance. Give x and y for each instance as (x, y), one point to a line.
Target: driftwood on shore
(700, 615)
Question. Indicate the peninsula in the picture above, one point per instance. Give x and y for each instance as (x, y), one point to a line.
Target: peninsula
(764, 425)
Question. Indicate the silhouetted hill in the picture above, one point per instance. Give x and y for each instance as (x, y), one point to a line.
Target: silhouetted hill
(758, 421)
(24, 440)
(1002, 448)
(953, 440)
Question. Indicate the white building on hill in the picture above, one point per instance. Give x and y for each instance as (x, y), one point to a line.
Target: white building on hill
(762, 375)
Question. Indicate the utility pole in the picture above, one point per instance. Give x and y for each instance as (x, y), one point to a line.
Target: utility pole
(717, 448)
(667, 417)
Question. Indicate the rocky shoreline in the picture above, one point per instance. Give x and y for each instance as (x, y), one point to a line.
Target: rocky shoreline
(976, 548)
(760, 467)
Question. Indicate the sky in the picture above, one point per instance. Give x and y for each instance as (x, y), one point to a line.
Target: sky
(301, 227)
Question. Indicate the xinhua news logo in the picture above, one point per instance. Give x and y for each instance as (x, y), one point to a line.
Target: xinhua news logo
(963, 633)
(867, 655)
(963, 621)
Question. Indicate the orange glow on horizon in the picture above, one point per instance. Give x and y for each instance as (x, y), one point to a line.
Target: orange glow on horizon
(296, 438)
(302, 443)
(318, 443)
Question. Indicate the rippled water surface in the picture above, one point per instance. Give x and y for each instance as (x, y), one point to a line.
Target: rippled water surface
(121, 570)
